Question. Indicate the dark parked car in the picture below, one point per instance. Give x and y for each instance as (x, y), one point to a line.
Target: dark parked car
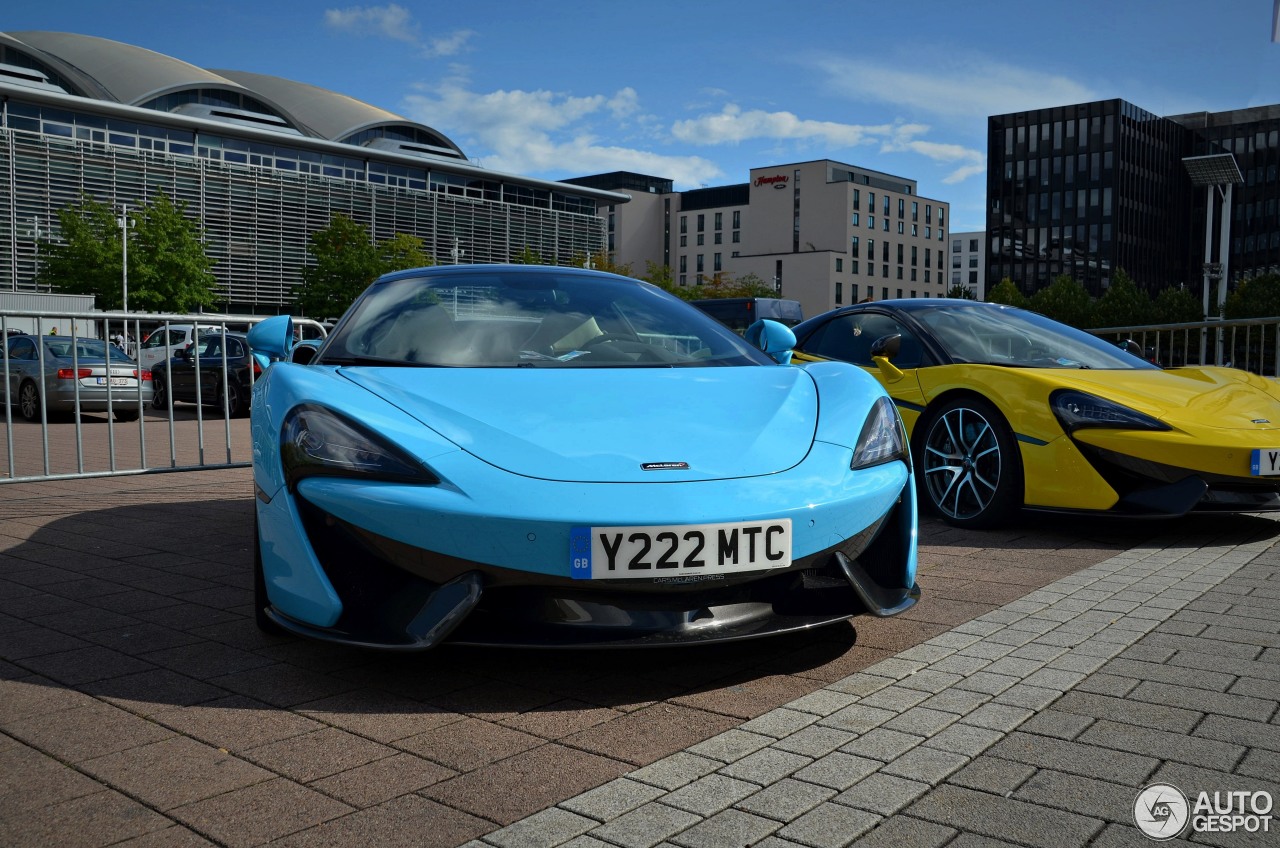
(204, 360)
(63, 373)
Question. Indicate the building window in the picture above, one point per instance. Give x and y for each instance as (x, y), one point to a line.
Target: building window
(928, 232)
(853, 269)
(899, 272)
(871, 222)
(702, 222)
(839, 264)
(901, 228)
(900, 252)
(913, 275)
(737, 218)
(839, 293)
(718, 238)
(928, 213)
(853, 247)
(886, 224)
(684, 264)
(902, 207)
(886, 206)
(684, 281)
(700, 266)
(884, 271)
(719, 220)
(973, 245)
(701, 239)
(717, 264)
(955, 246)
(855, 198)
(853, 292)
(684, 223)
(913, 255)
(853, 219)
(737, 237)
(899, 293)
(915, 211)
(684, 241)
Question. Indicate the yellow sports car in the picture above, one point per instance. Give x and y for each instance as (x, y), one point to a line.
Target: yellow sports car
(1008, 409)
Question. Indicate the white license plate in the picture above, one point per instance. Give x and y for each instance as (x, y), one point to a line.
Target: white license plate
(1265, 462)
(678, 550)
(115, 381)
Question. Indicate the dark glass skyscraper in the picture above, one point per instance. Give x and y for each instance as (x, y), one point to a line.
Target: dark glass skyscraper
(1087, 189)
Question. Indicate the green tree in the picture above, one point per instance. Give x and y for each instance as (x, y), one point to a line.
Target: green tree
(346, 262)
(1007, 293)
(1065, 300)
(528, 256)
(401, 252)
(602, 261)
(168, 268)
(1123, 304)
(1176, 306)
(1257, 297)
(660, 275)
(961, 292)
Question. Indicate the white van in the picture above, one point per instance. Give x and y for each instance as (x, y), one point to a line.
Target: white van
(156, 347)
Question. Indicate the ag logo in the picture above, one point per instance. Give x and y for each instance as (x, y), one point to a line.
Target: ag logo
(1160, 811)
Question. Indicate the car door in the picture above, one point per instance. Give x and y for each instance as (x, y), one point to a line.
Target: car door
(22, 362)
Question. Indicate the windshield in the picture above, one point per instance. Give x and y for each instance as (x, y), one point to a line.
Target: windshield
(544, 318)
(83, 349)
(1020, 339)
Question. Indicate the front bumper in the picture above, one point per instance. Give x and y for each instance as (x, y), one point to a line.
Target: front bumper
(398, 596)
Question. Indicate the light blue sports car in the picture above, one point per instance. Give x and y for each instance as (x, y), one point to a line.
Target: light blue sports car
(543, 456)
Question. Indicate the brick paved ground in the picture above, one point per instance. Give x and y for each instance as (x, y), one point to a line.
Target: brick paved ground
(139, 704)
(1033, 725)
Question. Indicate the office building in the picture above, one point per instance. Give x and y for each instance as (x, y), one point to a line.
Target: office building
(260, 162)
(967, 262)
(1086, 189)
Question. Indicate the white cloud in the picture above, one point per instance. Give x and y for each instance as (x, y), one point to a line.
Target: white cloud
(396, 22)
(447, 45)
(969, 86)
(544, 132)
(389, 21)
(731, 126)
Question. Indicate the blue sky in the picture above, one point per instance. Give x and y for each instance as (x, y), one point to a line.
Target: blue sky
(702, 91)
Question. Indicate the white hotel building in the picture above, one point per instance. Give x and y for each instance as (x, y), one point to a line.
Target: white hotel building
(823, 232)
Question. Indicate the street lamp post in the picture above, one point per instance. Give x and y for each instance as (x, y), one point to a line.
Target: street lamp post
(123, 221)
(1217, 173)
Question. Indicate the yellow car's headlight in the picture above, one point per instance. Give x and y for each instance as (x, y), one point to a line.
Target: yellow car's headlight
(1076, 410)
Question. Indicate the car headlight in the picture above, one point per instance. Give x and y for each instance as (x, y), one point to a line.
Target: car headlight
(883, 438)
(317, 441)
(1076, 410)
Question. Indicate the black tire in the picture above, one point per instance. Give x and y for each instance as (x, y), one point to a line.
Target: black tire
(235, 406)
(967, 464)
(260, 599)
(29, 401)
(126, 414)
(159, 399)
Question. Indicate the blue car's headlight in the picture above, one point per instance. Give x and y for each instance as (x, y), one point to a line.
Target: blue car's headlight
(1076, 409)
(882, 439)
(318, 441)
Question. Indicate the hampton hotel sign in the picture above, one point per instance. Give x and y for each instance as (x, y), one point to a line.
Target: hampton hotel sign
(777, 181)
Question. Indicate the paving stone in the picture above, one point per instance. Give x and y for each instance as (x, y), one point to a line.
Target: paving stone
(861, 683)
(709, 795)
(882, 744)
(645, 826)
(731, 745)
(783, 721)
(613, 799)
(921, 721)
(824, 702)
(906, 832)
(931, 681)
(1075, 758)
(1143, 714)
(1099, 798)
(956, 701)
(731, 827)
(830, 825)
(838, 770)
(882, 793)
(786, 800)
(1160, 673)
(766, 766)
(1168, 746)
(928, 765)
(1218, 703)
(676, 770)
(1027, 697)
(858, 719)
(1249, 733)
(1107, 684)
(992, 774)
(1004, 818)
(815, 741)
(964, 739)
(1003, 717)
(541, 830)
(1058, 724)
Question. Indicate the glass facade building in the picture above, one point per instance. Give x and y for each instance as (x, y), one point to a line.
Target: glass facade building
(1087, 189)
(258, 173)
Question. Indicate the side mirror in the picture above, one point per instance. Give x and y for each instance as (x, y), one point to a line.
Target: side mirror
(773, 338)
(184, 352)
(273, 338)
(884, 349)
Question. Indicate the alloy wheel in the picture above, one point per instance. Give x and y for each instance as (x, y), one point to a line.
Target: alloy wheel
(962, 463)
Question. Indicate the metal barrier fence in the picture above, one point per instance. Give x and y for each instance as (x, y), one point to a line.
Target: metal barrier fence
(1252, 344)
(73, 368)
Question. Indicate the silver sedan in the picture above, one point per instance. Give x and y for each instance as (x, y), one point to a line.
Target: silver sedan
(62, 374)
